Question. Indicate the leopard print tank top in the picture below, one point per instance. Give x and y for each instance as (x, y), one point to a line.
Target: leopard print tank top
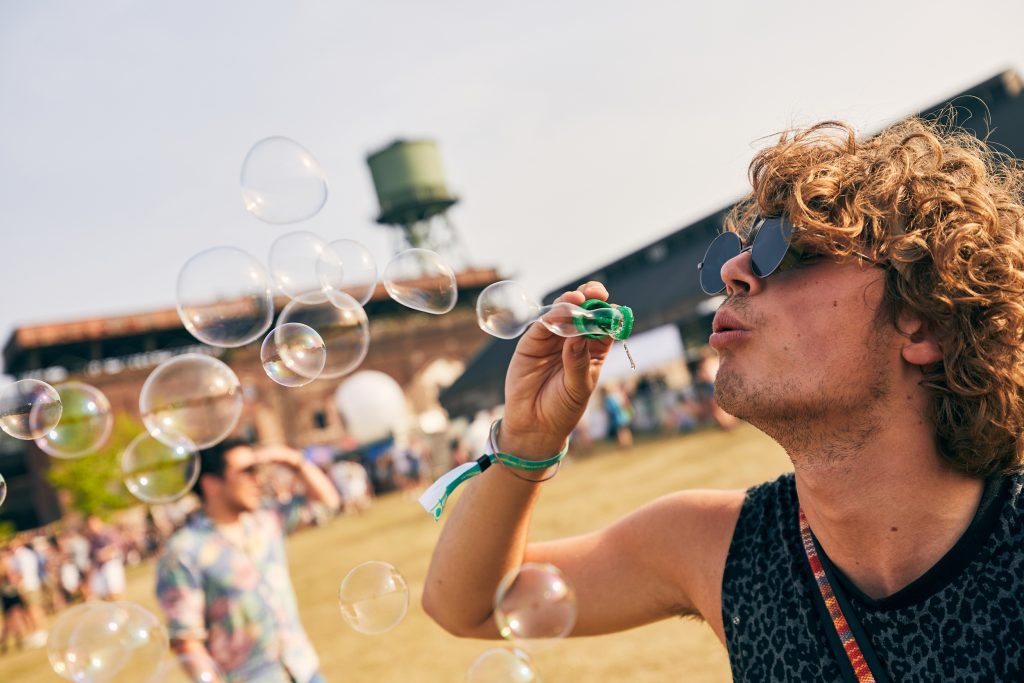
(963, 620)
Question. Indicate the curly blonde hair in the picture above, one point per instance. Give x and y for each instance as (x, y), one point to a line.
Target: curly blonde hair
(943, 212)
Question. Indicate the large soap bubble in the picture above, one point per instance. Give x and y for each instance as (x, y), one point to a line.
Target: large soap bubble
(340, 321)
(505, 309)
(372, 405)
(420, 279)
(534, 603)
(373, 597)
(348, 266)
(293, 355)
(85, 423)
(96, 642)
(158, 472)
(503, 665)
(282, 182)
(192, 396)
(225, 297)
(29, 408)
(293, 262)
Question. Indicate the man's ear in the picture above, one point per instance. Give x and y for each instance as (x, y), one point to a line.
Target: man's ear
(922, 345)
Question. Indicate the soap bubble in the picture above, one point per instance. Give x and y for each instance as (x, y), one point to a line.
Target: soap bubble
(85, 423)
(373, 597)
(293, 355)
(503, 665)
(348, 266)
(373, 406)
(340, 321)
(282, 182)
(188, 668)
(29, 408)
(194, 396)
(420, 279)
(96, 642)
(3, 489)
(293, 262)
(534, 603)
(505, 310)
(158, 472)
(225, 297)
(61, 630)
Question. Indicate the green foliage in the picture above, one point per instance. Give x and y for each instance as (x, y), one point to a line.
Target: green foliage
(7, 530)
(94, 481)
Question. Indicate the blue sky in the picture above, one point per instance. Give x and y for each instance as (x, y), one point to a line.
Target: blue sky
(574, 131)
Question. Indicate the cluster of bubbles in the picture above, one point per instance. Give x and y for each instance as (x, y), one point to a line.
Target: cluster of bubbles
(67, 421)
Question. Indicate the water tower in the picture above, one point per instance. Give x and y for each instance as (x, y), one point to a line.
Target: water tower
(414, 197)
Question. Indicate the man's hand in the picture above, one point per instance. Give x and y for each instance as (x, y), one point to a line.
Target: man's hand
(279, 455)
(549, 382)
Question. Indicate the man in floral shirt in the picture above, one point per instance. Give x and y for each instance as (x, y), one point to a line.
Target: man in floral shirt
(223, 578)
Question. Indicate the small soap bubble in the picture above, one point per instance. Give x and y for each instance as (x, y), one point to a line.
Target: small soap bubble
(373, 597)
(293, 354)
(225, 297)
(282, 182)
(29, 408)
(341, 323)
(85, 423)
(158, 472)
(3, 489)
(348, 266)
(293, 262)
(504, 309)
(534, 603)
(192, 396)
(188, 668)
(421, 280)
(503, 665)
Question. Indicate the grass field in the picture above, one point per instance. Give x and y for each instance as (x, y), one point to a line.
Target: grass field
(589, 492)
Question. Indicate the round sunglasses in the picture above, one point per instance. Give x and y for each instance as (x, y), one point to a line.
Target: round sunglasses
(770, 252)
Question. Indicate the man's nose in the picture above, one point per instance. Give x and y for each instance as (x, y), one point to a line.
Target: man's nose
(738, 275)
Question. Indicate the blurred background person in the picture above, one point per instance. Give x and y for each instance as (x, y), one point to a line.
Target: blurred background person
(616, 405)
(25, 563)
(106, 571)
(223, 578)
(353, 484)
(15, 613)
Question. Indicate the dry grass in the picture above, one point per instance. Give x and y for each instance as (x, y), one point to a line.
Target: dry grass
(589, 492)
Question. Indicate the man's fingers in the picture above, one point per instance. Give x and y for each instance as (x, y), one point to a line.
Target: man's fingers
(593, 290)
(574, 297)
(588, 290)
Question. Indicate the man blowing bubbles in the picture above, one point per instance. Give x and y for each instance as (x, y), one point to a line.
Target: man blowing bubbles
(875, 330)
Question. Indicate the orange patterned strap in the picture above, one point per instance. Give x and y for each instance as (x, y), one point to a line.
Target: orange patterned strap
(842, 626)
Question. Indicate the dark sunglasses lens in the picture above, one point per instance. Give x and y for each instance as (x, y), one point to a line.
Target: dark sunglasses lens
(770, 246)
(722, 248)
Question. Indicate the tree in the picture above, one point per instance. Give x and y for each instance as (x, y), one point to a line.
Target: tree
(95, 481)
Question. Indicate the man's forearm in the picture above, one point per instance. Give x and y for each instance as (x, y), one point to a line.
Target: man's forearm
(484, 537)
(318, 486)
